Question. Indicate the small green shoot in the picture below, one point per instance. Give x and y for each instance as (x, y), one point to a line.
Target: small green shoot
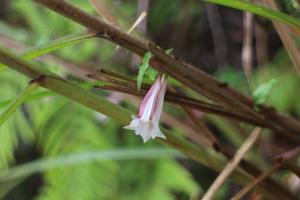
(261, 93)
(145, 70)
(143, 67)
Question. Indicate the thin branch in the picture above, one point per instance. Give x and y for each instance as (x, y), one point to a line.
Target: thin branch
(231, 165)
(137, 21)
(281, 160)
(180, 100)
(256, 181)
(143, 6)
(141, 17)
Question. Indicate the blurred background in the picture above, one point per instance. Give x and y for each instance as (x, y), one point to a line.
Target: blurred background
(112, 163)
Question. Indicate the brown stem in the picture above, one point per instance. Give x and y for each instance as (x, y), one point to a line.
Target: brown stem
(183, 72)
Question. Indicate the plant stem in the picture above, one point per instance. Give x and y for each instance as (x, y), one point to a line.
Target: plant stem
(187, 74)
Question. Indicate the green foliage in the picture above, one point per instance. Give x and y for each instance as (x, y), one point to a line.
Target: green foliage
(142, 69)
(261, 93)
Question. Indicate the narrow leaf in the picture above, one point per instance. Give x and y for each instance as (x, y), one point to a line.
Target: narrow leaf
(151, 73)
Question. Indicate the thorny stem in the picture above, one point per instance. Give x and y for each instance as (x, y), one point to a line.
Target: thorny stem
(188, 75)
(124, 84)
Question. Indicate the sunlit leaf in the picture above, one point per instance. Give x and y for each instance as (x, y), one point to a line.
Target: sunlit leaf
(151, 73)
(261, 93)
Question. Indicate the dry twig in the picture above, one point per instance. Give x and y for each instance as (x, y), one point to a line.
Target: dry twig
(232, 164)
(281, 160)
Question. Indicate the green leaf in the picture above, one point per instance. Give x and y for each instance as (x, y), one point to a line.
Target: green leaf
(143, 67)
(259, 10)
(14, 106)
(151, 73)
(261, 93)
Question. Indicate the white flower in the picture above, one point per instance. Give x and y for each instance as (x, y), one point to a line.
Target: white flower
(147, 123)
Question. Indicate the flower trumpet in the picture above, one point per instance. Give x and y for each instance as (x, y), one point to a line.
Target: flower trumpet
(146, 124)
